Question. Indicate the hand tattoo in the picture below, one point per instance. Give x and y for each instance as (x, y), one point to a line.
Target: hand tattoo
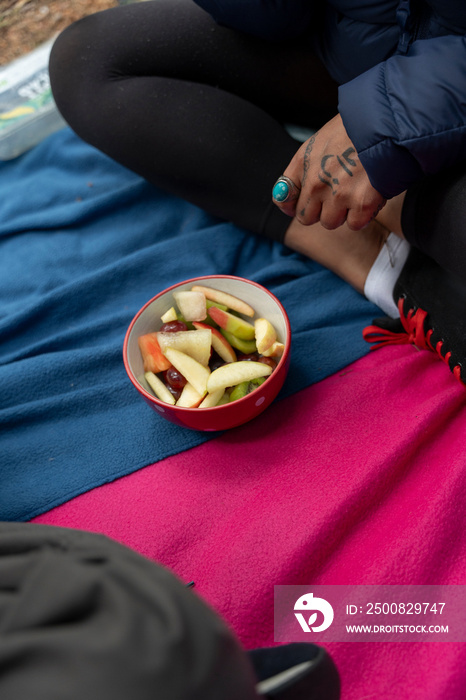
(329, 179)
(307, 158)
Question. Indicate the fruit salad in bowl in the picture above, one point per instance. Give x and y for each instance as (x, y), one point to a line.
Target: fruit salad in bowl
(209, 353)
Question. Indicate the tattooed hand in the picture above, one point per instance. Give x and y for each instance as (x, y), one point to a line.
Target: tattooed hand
(334, 185)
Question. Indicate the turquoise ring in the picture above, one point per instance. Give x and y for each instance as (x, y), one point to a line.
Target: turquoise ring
(285, 190)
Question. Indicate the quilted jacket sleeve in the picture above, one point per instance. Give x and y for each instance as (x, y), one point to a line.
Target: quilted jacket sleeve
(273, 20)
(407, 115)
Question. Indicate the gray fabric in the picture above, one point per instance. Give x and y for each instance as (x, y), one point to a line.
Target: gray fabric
(84, 617)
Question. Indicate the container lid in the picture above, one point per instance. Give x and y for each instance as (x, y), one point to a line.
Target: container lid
(25, 92)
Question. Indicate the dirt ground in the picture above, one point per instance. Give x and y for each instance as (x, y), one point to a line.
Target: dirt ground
(25, 24)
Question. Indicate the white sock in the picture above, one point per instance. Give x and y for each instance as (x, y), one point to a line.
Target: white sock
(384, 273)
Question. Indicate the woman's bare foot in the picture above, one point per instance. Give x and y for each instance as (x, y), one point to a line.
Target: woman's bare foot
(349, 254)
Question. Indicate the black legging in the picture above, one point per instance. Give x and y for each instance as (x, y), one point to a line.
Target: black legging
(434, 218)
(198, 110)
(186, 104)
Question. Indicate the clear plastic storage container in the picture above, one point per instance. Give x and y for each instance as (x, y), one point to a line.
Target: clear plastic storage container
(27, 110)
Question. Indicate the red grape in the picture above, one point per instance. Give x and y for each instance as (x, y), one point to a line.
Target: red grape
(174, 327)
(215, 361)
(174, 378)
(267, 361)
(176, 393)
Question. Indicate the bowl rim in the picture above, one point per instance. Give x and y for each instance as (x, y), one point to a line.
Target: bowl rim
(182, 409)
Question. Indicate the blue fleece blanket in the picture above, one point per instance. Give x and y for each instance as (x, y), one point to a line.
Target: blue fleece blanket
(83, 245)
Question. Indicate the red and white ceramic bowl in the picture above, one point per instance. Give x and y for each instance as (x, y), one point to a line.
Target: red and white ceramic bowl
(229, 415)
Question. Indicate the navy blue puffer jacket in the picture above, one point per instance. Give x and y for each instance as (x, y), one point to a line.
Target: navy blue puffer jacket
(401, 67)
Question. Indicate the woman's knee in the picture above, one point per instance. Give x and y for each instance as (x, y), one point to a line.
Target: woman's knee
(75, 64)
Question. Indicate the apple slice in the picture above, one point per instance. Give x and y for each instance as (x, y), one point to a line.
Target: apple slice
(169, 315)
(209, 303)
(219, 343)
(228, 300)
(153, 358)
(275, 350)
(159, 388)
(212, 399)
(225, 399)
(191, 304)
(189, 397)
(196, 343)
(266, 334)
(233, 324)
(195, 373)
(244, 346)
(236, 372)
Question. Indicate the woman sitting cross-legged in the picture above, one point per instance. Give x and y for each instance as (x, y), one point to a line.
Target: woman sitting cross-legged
(196, 97)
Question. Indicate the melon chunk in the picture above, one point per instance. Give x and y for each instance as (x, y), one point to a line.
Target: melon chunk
(192, 305)
(153, 358)
(196, 344)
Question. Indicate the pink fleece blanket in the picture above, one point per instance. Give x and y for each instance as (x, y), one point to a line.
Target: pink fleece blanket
(360, 479)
